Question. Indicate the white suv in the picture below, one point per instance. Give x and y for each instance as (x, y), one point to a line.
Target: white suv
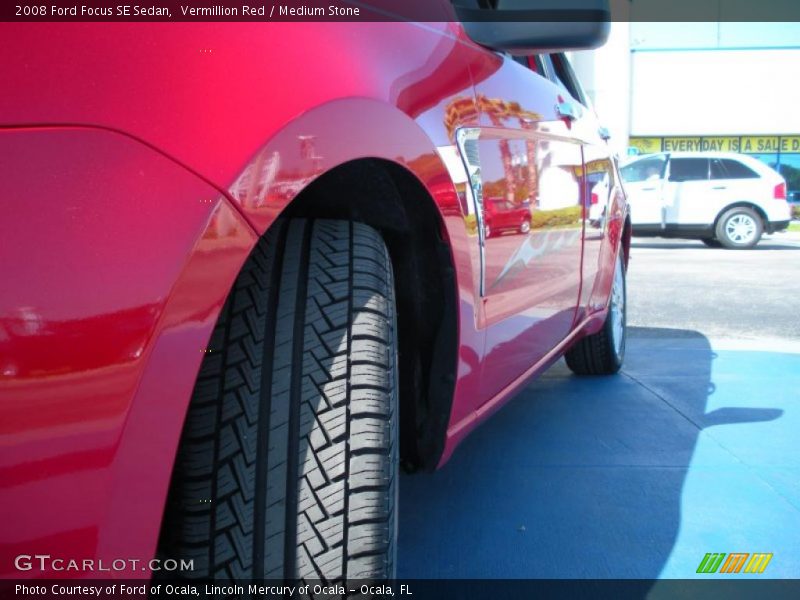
(724, 199)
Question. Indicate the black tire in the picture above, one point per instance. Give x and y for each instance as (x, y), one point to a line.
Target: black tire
(722, 233)
(711, 242)
(290, 471)
(599, 354)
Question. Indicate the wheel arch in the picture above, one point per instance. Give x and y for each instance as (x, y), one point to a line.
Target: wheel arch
(390, 198)
(365, 159)
(742, 204)
(627, 231)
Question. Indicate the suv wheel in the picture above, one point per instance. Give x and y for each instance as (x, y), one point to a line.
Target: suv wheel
(739, 228)
(525, 226)
(287, 468)
(603, 352)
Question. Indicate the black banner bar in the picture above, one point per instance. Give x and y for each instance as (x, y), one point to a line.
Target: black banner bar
(392, 10)
(722, 587)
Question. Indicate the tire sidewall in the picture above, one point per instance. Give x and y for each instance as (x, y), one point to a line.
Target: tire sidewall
(617, 358)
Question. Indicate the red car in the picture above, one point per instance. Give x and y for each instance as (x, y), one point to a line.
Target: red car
(500, 215)
(245, 274)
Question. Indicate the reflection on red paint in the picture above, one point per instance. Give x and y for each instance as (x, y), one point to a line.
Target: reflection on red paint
(129, 211)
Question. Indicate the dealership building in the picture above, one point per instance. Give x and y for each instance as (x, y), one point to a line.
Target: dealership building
(701, 86)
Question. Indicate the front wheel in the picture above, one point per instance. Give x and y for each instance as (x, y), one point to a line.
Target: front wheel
(739, 228)
(603, 352)
(287, 468)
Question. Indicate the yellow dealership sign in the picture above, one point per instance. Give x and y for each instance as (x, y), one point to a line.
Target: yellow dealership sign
(720, 144)
(748, 144)
(682, 144)
(760, 143)
(701, 144)
(647, 145)
(790, 143)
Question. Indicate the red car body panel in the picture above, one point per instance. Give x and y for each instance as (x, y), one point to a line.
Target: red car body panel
(140, 165)
(90, 374)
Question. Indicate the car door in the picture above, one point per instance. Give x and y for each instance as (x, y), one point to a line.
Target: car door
(687, 191)
(602, 195)
(528, 147)
(644, 182)
(505, 213)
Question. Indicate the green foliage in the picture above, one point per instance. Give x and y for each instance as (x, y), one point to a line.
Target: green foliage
(557, 218)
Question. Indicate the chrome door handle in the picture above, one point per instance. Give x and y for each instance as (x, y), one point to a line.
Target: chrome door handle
(566, 110)
(720, 187)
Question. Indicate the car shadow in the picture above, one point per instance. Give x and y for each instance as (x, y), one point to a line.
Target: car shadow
(763, 245)
(577, 477)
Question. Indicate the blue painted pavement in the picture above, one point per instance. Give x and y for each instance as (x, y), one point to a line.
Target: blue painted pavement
(693, 448)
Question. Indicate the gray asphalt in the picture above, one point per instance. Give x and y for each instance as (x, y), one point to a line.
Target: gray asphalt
(724, 294)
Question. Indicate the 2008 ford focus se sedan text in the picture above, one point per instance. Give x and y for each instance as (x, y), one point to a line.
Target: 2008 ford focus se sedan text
(242, 285)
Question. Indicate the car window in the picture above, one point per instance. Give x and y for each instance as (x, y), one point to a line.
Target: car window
(536, 64)
(728, 168)
(688, 169)
(644, 169)
(567, 78)
(558, 76)
(523, 60)
(718, 170)
(531, 61)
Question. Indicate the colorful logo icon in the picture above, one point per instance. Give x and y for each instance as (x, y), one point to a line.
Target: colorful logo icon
(752, 563)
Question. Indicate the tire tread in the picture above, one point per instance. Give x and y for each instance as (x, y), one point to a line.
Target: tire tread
(289, 471)
(595, 354)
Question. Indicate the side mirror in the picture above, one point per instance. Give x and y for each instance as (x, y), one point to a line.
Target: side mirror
(536, 26)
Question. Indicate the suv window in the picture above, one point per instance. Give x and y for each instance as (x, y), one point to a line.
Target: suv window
(644, 169)
(688, 169)
(728, 168)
